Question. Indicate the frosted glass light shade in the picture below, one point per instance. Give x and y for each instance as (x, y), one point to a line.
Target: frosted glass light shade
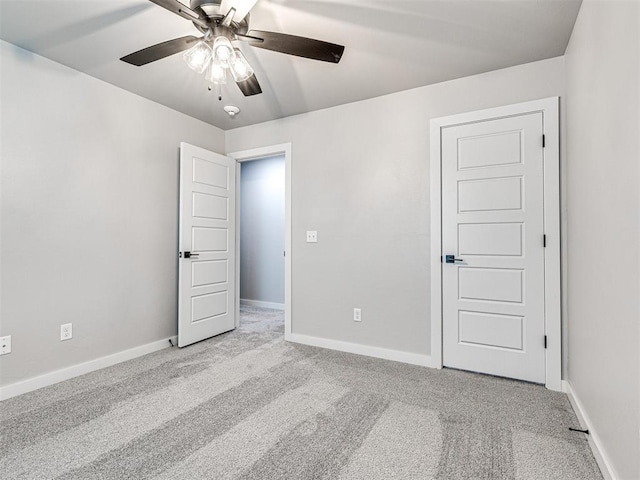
(198, 56)
(217, 74)
(223, 51)
(240, 68)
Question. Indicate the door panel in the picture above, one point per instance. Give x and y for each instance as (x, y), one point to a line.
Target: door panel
(209, 239)
(208, 306)
(490, 149)
(490, 194)
(494, 239)
(209, 273)
(207, 232)
(490, 329)
(491, 284)
(207, 172)
(492, 220)
(210, 206)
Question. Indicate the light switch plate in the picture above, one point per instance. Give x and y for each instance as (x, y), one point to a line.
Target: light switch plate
(312, 236)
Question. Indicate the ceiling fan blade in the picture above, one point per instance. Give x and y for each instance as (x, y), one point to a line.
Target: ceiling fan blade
(242, 7)
(250, 86)
(299, 46)
(248, 38)
(159, 51)
(185, 12)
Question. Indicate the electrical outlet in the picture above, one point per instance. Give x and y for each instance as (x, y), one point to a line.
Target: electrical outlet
(357, 314)
(312, 236)
(5, 345)
(66, 331)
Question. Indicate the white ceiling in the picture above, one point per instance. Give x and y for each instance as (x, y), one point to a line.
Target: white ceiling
(391, 45)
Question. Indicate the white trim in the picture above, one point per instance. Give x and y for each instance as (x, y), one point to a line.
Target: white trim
(63, 374)
(435, 172)
(595, 443)
(552, 260)
(376, 352)
(550, 112)
(254, 154)
(261, 304)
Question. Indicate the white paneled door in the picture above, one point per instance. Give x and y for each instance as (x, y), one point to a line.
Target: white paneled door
(493, 247)
(207, 244)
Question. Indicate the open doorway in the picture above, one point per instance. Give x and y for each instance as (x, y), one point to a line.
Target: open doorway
(262, 243)
(263, 240)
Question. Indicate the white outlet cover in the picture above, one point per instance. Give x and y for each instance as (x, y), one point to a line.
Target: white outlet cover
(5, 345)
(357, 315)
(66, 331)
(312, 236)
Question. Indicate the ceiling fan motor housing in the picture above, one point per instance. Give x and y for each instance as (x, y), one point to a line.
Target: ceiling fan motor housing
(211, 9)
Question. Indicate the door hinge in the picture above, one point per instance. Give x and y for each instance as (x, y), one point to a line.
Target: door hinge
(545, 341)
(544, 141)
(544, 241)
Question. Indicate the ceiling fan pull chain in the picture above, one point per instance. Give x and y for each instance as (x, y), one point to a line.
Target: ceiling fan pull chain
(218, 90)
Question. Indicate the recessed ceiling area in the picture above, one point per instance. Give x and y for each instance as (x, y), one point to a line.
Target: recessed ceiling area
(390, 46)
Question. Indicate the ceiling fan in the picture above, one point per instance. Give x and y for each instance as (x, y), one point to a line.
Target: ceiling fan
(223, 22)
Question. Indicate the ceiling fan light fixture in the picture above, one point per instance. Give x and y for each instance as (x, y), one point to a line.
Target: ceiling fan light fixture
(223, 51)
(198, 56)
(222, 22)
(217, 74)
(240, 68)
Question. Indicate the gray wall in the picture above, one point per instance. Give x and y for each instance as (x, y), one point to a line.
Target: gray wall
(603, 167)
(262, 191)
(89, 205)
(360, 177)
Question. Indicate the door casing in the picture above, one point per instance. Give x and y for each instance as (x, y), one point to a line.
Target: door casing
(254, 154)
(552, 293)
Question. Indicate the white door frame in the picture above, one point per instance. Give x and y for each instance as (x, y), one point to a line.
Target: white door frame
(551, 131)
(254, 154)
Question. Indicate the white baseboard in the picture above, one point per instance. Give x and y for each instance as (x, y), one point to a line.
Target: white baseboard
(377, 352)
(595, 443)
(261, 304)
(56, 376)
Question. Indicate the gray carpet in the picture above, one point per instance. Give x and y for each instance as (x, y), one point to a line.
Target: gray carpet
(247, 405)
